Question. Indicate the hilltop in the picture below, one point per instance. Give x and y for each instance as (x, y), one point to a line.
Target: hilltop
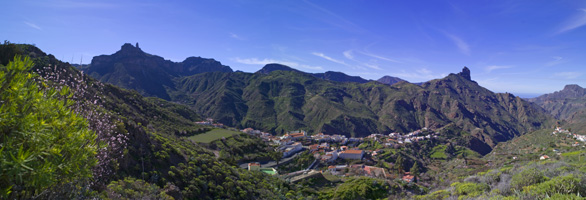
(279, 98)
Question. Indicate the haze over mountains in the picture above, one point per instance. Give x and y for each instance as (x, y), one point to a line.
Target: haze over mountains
(278, 98)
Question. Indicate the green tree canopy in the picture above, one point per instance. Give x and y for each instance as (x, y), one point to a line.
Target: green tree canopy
(42, 142)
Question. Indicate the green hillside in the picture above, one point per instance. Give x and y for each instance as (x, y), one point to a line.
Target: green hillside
(289, 100)
(146, 152)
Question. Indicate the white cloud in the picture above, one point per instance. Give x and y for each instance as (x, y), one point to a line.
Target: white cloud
(33, 25)
(329, 58)
(495, 67)
(462, 46)
(379, 57)
(348, 54)
(372, 66)
(556, 60)
(233, 35)
(577, 21)
(255, 61)
(419, 75)
(568, 75)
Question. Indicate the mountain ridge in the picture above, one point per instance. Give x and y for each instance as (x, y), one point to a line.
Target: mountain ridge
(278, 98)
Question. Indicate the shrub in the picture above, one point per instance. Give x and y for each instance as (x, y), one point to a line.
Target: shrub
(43, 142)
(527, 177)
(469, 189)
(569, 184)
(131, 188)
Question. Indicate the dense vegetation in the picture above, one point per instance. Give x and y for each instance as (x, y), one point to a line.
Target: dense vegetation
(44, 145)
(145, 137)
(150, 148)
(279, 99)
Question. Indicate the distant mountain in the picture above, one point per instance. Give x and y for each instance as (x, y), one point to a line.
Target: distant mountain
(339, 77)
(289, 100)
(268, 68)
(148, 74)
(329, 75)
(565, 103)
(150, 133)
(278, 98)
(389, 80)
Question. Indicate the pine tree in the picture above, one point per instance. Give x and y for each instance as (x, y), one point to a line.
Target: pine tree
(399, 164)
(415, 170)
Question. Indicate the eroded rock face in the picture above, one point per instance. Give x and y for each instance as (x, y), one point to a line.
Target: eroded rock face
(150, 75)
(465, 73)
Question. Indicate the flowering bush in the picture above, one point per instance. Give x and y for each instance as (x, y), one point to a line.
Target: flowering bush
(42, 142)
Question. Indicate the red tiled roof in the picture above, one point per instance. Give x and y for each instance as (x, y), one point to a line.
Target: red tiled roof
(352, 151)
(296, 135)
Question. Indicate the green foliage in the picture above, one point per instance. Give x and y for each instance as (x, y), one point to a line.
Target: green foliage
(439, 194)
(213, 135)
(527, 177)
(468, 189)
(439, 152)
(358, 188)
(242, 148)
(43, 142)
(131, 188)
(569, 184)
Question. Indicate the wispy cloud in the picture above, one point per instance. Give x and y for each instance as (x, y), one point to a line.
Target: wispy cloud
(348, 54)
(256, 61)
(575, 22)
(379, 57)
(495, 67)
(461, 44)
(568, 75)
(422, 74)
(33, 25)
(329, 58)
(556, 61)
(235, 36)
(336, 20)
(373, 66)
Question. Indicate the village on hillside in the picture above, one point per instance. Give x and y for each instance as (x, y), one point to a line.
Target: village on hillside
(339, 153)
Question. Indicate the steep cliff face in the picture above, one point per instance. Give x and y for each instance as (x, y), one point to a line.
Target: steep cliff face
(563, 104)
(278, 98)
(290, 100)
(148, 74)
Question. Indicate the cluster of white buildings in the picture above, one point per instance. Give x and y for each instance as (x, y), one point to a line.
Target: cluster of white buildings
(414, 136)
(321, 137)
(210, 122)
(581, 138)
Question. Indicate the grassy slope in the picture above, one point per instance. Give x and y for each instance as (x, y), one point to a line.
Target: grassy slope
(212, 135)
(285, 100)
(154, 152)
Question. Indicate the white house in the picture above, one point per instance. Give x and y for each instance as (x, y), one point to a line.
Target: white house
(292, 149)
(352, 154)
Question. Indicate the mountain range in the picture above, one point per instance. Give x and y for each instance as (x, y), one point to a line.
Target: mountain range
(278, 98)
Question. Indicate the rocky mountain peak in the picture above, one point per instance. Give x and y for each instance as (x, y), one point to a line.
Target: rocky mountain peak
(573, 87)
(389, 80)
(129, 50)
(465, 73)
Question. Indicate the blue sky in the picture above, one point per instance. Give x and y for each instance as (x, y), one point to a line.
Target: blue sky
(522, 47)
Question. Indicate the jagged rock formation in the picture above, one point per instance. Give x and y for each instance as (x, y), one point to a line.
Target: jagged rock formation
(565, 103)
(148, 74)
(278, 98)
